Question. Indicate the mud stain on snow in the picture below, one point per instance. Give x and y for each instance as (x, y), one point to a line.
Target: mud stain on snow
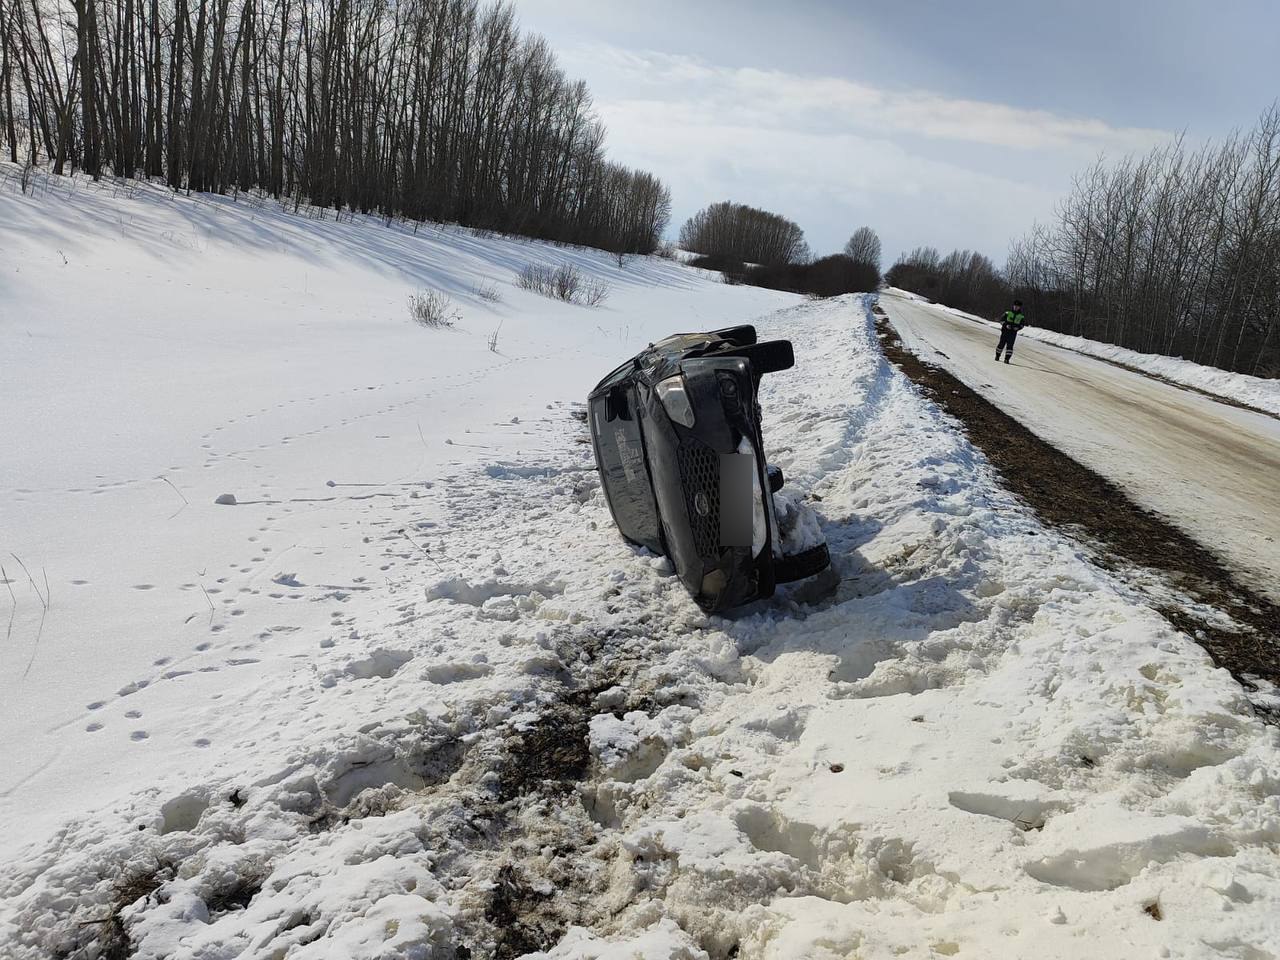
(531, 819)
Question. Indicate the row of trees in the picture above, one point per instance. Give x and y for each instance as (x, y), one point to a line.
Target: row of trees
(962, 279)
(825, 277)
(736, 232)
(434, 109)
(1177, 252)
(767, 250)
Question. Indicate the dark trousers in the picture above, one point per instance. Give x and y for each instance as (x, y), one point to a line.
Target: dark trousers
(1007, 336)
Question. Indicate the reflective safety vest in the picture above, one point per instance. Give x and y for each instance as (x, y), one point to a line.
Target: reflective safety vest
(1014, 318)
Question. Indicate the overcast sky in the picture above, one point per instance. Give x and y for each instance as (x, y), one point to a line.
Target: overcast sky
(955, 124)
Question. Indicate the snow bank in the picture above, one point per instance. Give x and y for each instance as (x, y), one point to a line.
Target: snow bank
(1256, 392)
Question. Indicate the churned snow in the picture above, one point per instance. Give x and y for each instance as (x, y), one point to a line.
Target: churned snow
(967, 740)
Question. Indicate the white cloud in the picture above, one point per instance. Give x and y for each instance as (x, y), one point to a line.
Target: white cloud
(829, 182)
(833, 153)
(785, 100)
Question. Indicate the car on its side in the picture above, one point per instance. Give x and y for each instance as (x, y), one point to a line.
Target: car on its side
(677, 440)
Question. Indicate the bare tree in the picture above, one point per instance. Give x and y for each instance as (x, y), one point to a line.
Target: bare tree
(734, 231)
(432, 109)
(1177, 252)
(864, 247)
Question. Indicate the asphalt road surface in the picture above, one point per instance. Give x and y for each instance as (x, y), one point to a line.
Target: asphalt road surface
(1210, 468)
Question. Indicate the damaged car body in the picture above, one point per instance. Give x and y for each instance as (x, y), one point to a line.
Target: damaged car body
(677, 439)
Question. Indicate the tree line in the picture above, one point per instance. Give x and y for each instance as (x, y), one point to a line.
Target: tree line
(766, 249)
(1176, 252)
(432, 109)
(963, 279)
(737, 232)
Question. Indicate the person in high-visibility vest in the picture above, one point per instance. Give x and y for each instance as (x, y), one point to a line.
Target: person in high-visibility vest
(1012, 321)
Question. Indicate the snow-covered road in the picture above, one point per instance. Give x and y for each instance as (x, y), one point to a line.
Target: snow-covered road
(1209, 467)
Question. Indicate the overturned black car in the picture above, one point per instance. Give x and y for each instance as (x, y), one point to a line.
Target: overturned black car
(676, 432)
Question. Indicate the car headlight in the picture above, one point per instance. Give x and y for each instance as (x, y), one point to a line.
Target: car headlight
(675, 400)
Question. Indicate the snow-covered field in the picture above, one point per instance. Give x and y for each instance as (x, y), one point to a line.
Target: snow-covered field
(1257, 392)
(160, 352)
(978, 744)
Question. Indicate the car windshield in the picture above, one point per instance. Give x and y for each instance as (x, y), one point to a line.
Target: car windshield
(617, 376)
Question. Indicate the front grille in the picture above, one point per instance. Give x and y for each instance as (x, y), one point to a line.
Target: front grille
(700, 478)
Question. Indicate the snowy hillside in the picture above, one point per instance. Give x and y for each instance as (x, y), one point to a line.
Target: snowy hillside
(160, 352)
(438, 709)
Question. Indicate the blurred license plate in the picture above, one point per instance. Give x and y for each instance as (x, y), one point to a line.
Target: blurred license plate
(736, 499)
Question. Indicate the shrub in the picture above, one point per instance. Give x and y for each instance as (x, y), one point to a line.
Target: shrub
(431, 308)
(595, 292)
(565, 283)
(735, 271)
(536, 278)
(487, 291)
(828, 277)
